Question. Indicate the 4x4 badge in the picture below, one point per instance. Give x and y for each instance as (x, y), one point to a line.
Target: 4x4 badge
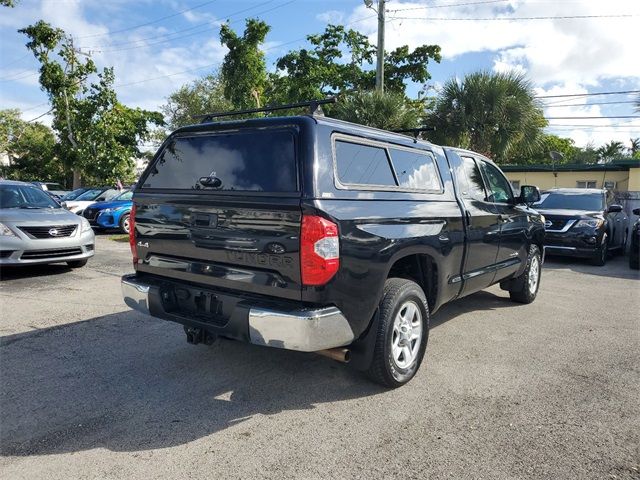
(143, 244)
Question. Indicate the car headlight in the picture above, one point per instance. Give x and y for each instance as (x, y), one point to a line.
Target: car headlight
(6, 231)
(592, 222)
(108, 210)
(85, 226)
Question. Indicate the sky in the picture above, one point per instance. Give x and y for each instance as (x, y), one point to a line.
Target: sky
(156, 46)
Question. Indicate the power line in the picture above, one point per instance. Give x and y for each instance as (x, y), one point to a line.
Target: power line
(40, 116)
(216, 63)
(189, 34)
(508, 19)
(429, 7)
(193, 27)
(588, 104)
(591, 118)
(16, 60)
(620, 92)
(150, 22)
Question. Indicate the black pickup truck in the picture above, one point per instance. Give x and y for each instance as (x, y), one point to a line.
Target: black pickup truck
(313, 234)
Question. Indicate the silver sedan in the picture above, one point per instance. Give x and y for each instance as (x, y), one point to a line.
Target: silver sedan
(34, 229)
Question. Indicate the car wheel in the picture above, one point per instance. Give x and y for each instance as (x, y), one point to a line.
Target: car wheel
(77, 263)
(528, 284)
(403, 331)
(125, 224)
(602, 253)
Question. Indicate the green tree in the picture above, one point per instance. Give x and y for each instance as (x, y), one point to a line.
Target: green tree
(611, 150)
(80, 110)
(634, 146)
(495, 114)
(388, 110)
(30, 148)
(541, 153)
(7, 3)
(204, 95)
(586, 155)
(244, 72)
(340, 60)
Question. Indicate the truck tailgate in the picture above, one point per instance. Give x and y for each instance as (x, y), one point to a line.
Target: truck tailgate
(250, 246)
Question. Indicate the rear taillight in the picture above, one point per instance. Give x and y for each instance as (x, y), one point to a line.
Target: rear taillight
(319, 250)
(132, 235)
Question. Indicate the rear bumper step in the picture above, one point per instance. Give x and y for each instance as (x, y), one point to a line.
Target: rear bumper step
(302, 329)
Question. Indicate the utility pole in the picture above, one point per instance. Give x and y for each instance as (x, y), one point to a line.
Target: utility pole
(380, 50)
(380, 61)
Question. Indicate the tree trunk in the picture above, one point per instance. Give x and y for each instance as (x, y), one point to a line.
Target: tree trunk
(77, 180)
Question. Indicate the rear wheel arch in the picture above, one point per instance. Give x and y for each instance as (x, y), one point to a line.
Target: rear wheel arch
(420, 268)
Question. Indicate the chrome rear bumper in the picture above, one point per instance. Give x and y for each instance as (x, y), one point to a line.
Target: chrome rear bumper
(306, 330)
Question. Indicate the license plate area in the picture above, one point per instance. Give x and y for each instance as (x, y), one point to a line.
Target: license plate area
(196, 303)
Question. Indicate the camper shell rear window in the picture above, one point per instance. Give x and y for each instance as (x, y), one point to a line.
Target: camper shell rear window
(251, 160)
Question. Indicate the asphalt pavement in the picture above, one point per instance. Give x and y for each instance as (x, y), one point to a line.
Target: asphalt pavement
(92, 390)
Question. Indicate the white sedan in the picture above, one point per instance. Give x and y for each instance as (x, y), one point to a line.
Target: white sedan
(89, 197)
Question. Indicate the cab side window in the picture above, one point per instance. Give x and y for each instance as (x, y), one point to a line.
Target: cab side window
(474, 180)
(499, 188)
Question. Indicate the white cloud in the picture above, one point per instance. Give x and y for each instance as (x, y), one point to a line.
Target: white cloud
(563, 55)
(584, 50)
(331, 16)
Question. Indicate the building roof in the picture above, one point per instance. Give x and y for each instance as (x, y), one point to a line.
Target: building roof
(616, 165)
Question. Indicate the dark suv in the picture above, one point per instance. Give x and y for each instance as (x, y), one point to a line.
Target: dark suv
(313, 234)
(583, 222)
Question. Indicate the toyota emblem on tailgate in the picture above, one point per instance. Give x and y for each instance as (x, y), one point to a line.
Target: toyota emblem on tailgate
(53, 232)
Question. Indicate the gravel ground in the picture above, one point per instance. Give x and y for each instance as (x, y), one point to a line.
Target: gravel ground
(89, 389)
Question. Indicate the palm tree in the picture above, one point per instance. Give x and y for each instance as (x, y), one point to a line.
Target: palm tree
(610, 150)
(388, 110)
(492, 113)
(635, 145)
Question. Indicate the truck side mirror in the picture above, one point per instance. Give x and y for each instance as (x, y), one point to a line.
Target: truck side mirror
(529, 194)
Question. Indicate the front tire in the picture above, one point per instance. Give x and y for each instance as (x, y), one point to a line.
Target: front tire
(529, 282)
(403, 332)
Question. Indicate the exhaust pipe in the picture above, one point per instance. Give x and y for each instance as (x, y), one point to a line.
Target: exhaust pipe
(340, 354)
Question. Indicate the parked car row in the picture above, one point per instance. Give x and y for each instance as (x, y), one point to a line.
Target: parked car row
(583, 222)
(35, 229)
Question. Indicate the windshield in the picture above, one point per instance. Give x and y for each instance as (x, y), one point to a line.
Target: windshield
(574, 201)
(73, 195)
(128, 195)
(90, 194)
(21, 196)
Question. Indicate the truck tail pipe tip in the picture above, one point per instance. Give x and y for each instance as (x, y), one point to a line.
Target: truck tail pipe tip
(342, 355)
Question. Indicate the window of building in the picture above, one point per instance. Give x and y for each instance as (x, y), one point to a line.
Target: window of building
(586, 184)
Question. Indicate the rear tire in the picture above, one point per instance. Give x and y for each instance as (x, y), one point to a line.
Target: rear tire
(77, 263)
(403, 332)
(529, 282)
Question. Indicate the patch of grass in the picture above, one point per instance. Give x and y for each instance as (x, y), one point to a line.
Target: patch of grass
(120, 238)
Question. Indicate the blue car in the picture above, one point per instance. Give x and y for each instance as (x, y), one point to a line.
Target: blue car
(113, 213)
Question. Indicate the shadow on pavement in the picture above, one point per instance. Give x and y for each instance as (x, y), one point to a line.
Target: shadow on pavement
(30, 271)
(129, 383)
(616, 266)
